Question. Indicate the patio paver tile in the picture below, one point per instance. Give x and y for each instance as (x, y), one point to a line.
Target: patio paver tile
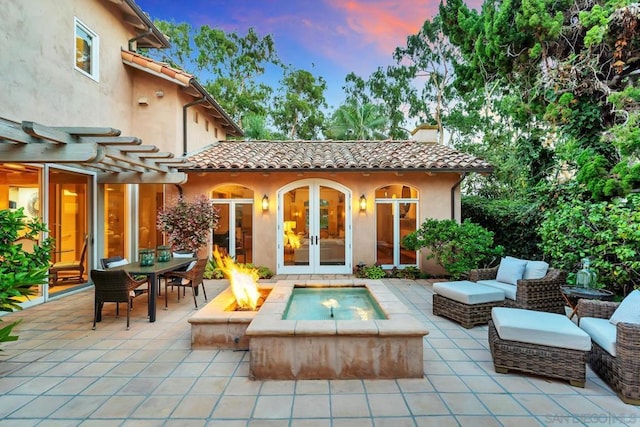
(61, 373)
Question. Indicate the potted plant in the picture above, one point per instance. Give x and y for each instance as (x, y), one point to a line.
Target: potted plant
(20, 270)
(188, 224)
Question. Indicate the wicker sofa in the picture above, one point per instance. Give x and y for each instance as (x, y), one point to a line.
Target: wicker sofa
(532, 294)
(621, 370)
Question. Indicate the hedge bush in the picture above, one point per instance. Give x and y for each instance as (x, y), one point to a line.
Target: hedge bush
(457, 247)
(607, 232)
(514, 224)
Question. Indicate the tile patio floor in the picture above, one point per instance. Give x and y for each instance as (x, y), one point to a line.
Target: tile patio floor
(62, 373)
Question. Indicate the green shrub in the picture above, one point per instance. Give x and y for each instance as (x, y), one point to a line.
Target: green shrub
(457, 247)
(213, 272)
(514, 223)
(20, 270)
(374, 272)
(606, 232)
(411, 272)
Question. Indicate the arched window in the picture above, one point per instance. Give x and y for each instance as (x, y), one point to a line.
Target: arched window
(235, 229)
(396, 216)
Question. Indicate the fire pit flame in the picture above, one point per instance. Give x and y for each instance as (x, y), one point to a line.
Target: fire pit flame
(242, 280)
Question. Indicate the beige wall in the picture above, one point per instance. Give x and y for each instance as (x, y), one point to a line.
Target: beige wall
(39, 82)
(159, 121)
(435, 202)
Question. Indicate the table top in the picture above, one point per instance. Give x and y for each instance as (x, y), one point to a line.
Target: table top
(158, 267)
(590, 293)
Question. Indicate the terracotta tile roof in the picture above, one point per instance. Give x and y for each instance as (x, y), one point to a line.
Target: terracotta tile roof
(186, 80)
(358, 155)
(162, 69)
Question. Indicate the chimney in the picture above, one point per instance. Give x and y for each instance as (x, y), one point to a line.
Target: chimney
(427, 134)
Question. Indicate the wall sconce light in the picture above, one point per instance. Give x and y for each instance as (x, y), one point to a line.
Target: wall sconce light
(363, 203)
(265, 203)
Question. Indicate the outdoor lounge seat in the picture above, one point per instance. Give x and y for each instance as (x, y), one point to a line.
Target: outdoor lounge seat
(615, 351)
(535, 342)
(526, 284)
(60, 270)
(466, 302)
(113, 286)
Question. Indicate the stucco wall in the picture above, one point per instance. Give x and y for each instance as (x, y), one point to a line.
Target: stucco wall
(39, 82)
(434, 196)
(159, 121)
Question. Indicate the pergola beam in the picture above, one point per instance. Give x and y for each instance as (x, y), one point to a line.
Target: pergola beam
(142, 178)
(112, 140)
(49, 153)
(115, 158)
(88, 131)
(51, 134)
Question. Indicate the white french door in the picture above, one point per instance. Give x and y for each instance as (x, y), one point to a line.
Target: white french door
(314, 228)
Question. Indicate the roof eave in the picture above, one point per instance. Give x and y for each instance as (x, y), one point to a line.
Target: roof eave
(156, 39)
(231, 123)
(487, 170)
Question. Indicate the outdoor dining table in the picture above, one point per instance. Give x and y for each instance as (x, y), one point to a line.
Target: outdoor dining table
(153, 272)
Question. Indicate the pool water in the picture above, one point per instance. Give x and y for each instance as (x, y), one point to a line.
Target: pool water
(347, 303)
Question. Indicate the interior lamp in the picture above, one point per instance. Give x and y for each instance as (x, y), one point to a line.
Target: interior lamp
(265, 203)
(363, 203)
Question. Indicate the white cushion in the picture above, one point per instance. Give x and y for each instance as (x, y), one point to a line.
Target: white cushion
(118, 263)
(511, 270)
(539, 327)
(191, 265)
(468, 292)
(535, 270)
(601, 332)
(182, 255)
(629, 309)
(509, 290)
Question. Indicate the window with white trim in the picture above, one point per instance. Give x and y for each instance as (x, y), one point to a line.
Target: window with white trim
(86, 50)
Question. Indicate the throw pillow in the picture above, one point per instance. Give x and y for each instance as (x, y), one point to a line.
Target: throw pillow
(118, 263)
(629, 309)
(511, 270)
(535, 270)
(191, 265)
(182, 255)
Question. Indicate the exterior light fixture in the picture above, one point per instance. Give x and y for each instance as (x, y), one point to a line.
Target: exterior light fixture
(363, 203)
(265, 203)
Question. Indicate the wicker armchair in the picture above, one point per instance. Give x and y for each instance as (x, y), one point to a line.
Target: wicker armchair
(532, 294)
(622, 371)
(113, 286)
(191, 278)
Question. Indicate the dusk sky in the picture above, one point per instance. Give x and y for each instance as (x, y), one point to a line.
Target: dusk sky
(329, 38)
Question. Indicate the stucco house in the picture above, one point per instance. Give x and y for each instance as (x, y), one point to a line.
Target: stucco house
(313, 207)
(95, 138)
(89, 136)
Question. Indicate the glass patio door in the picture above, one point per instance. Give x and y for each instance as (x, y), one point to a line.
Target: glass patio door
(234, 234)
(69, 214)
(313, 228)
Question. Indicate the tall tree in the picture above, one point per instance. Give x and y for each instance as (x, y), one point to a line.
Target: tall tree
(355, 121)
(568, 61)
(428, 58)
(298, 106)
(233, 64)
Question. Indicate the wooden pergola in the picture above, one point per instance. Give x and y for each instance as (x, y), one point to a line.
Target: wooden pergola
(115, 159)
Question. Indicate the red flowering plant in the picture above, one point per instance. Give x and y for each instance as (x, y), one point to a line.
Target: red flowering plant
(188, 224)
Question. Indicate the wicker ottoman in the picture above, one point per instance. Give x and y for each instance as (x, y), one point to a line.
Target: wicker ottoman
(540, 343)
(467, 303)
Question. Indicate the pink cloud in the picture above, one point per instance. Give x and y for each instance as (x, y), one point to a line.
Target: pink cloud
(384, 24)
